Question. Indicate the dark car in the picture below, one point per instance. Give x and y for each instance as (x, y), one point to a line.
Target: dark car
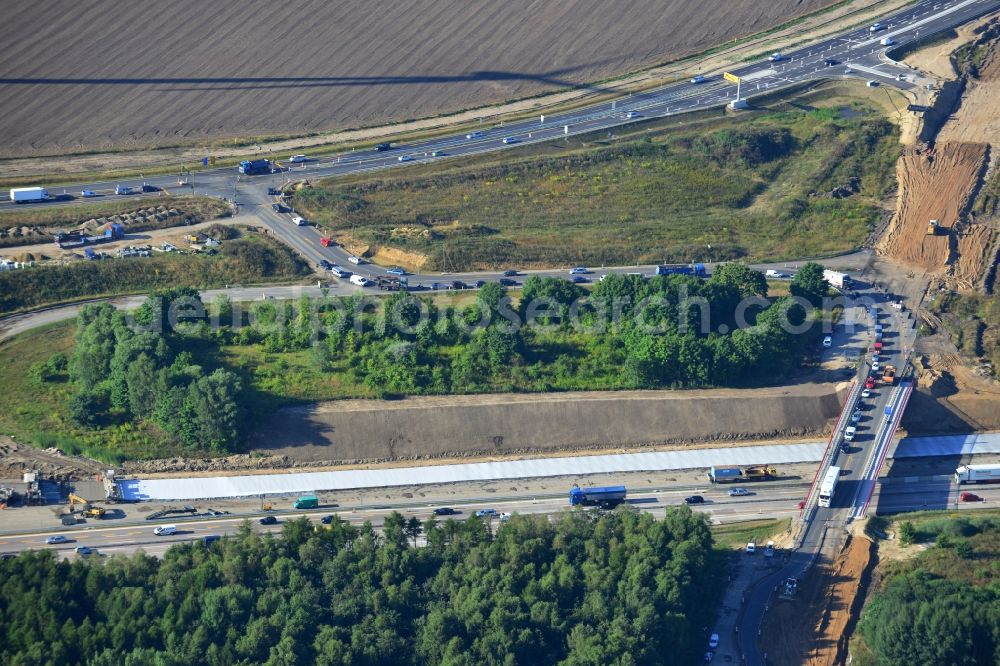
(830, 62)
(510, 273)
(268, 520)
(579, 279)
(273, 191)
(458, 284)
(694, 499)
(480, 283)
(382, 147)
(280, 208)
(445, 511)
(146, 187)
(326, 520)
(210, 538)
(437, 285)
(507, 282)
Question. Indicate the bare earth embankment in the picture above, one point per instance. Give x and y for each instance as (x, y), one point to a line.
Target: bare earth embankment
(822, 612)
(106, 74)
(431, 427)
(933, 185)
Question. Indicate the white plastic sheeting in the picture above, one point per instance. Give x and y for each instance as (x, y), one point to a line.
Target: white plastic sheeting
(307, 482)
(948, 445)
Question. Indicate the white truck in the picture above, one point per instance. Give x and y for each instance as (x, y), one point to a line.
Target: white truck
(360, 280)
(838, 280)
(977, 474)
(28, 194)
(773, 274)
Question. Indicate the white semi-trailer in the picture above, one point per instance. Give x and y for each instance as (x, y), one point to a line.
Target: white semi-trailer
(28, 194)
(838, 280)
(977, 474)
(829, 486)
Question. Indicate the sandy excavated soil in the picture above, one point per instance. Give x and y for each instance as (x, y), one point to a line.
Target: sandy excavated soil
(933, 185)
(951, 398)
(822, 611)
(110, 74)
(431, 427)
(977, 119)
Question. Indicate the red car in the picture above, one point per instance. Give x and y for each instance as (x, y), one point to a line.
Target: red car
(970, 497)
(870, 384)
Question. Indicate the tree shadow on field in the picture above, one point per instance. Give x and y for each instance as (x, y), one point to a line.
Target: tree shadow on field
(553, 78)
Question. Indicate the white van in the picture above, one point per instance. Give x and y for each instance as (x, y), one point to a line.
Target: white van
(771, 273)
(360, 280)
(165, 530)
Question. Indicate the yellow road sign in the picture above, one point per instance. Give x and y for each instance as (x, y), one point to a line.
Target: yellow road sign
(732, 78)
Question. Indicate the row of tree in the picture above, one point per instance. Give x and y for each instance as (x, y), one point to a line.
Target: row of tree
(620, 588)
(676, 331)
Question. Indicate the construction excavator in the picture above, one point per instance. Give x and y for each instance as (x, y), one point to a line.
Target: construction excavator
(86, 508)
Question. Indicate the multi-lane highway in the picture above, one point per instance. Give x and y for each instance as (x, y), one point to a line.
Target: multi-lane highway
(857, 53)
(874, 414)
(129, 534)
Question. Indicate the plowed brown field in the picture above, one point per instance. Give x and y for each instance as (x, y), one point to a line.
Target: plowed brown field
(107, 74)
(934, 186)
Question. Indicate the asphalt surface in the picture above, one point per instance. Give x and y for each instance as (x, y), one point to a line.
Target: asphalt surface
(124, 534)
(860, 464)
(857, 53)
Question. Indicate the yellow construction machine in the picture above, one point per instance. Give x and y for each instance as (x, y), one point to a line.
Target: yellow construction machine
(89, 510)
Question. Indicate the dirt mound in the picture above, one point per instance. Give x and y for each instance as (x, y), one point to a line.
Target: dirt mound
(951, 398)
(814, 629)
(15, 459)
(413, 261)
(933, 185)
(426, 427)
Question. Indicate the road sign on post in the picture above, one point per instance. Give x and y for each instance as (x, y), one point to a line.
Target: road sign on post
(737, 103)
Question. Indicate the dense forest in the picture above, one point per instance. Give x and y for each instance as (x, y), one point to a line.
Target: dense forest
(132, 368)
(588, 589)
(943, 606)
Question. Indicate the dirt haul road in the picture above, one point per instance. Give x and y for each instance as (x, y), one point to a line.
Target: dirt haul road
(822, 611)
(432, 427)
(107, 74)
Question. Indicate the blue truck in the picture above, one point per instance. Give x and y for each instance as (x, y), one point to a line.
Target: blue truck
(724, 474)
(252, 167)
(606, 497)
(75, 239)
(682, 269)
